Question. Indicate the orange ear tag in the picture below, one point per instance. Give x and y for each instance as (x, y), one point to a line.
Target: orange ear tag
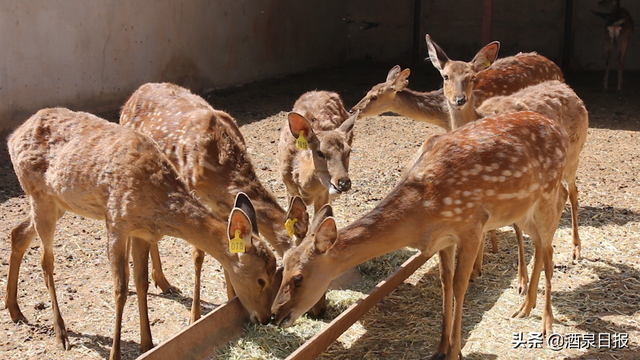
(301, 142)
(236, 245)
(289, 225)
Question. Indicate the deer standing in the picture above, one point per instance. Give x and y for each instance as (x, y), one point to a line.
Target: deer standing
(618, 29)
(553, 99)
(462, 184)
(210, 154)
(506, 76)
(75, 161)
(313, 152)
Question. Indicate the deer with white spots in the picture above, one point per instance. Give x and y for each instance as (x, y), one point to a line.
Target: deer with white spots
(210, 154)
(314, 148)
(77, 162)
(443, 204)
(506, 76)
(553, 99)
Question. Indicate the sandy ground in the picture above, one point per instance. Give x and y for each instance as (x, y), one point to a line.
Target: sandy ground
(598, 294)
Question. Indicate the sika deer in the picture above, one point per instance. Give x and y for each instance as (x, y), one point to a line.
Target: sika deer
(618, 29)
(75, 161)
(319, 170)
(553, 99)
(506, 76)
(209, 152)
(446, 200)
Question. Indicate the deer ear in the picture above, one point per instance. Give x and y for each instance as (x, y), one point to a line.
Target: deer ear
(486, 56)
(298, 210)
(436, 54)
(298, 123)
(393, 73)
(401, 81)
(347, 126)
(238, 220)
(244, 203)
(326, 235)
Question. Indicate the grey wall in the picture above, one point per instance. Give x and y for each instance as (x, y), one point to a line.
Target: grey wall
(92, 54)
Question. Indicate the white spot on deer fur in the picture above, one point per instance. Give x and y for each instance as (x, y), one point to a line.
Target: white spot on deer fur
(447, 201)
(470, 204)
(534, 187)
(502, 178)
(490, 192)
(464, 172)
(477, 192)
(466, 193)
(514, 159)
(486, 177)
(427, 203)
(559, 152)
(446, 213)
(507, 196)
(506, 172)
(457, 202)
(457, 211)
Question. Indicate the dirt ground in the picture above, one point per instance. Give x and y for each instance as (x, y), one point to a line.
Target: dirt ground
(599, 294)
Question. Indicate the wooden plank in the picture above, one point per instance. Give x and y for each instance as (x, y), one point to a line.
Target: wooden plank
(317, 344)
(202, 338)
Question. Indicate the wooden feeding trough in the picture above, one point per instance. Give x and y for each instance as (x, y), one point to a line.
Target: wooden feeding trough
(226, 323)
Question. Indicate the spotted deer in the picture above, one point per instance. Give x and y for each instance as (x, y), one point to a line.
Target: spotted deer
(618, 29)
(505, 76)
(210, 154)
(77, 162)
(444, 202)
(553, 99)
(317, 170)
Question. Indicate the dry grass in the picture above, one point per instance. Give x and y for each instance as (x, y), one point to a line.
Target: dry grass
(599, 293)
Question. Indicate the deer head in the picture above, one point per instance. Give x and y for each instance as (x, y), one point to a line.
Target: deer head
(302, 288)
(381, 96)
(459, 76)
(329, 149)
(257, 259)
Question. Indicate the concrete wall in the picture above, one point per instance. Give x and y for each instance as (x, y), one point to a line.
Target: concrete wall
(92, 54)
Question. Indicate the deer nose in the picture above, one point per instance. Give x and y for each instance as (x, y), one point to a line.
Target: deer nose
(461, 100)
(344, 184)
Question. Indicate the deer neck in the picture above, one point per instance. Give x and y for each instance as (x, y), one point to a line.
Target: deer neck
(271, 219)
(462, 116)
(389, 226)
(423, 106)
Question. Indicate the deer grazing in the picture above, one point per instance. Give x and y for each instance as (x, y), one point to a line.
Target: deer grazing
(506, 76)
(490, 173)
(77, 162)
(314, 149)
(209, 152)
(618, 29)
(553, 99)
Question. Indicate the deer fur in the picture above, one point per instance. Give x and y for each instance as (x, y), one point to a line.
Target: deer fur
(77, 162)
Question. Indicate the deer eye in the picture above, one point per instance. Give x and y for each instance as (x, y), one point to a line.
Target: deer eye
(297, 280)
(446, 77)
(262, 283)
(320, 154)
(374, 97)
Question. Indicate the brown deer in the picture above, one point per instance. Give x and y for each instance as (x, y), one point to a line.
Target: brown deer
(443, 204)
(210, 154)
(618, 29)
(77, 162)
(505, 76)
(314, 150)
(553, 99)
(319, 170)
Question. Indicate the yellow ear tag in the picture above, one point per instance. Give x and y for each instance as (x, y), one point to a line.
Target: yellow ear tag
(236, 245)
(486, 63)
(289, 225)
(301, 142)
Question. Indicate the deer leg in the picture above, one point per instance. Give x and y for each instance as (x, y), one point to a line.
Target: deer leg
(466, 252)
(573, 199)
(447, 263)
(45, 217)
(196, 308)
(623, 42)
(494, 241)
(547, 313)
(21, 236)
(230, 292)
(157, 274)
(608, 47)
(118, 248)
(530, 299)
(140, 255)
(477, 265)
(523, 276)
